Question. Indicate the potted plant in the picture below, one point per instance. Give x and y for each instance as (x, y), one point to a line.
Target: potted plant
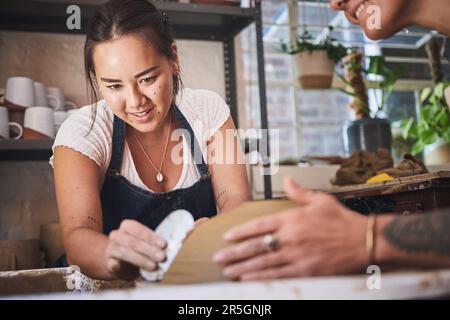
(432, 130)
(315, 61)
(368, 131)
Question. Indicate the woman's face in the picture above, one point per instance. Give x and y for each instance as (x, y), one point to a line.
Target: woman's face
(136, 80)
(379, 18)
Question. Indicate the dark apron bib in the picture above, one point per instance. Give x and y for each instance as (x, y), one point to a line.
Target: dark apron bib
(122, 200)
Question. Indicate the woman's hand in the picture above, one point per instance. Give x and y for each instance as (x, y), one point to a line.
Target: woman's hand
(131, 247)
(319, 237)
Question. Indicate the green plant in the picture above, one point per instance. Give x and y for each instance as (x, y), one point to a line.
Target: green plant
(386, 79)
(335, 50)
(434, 120)
(378, 67)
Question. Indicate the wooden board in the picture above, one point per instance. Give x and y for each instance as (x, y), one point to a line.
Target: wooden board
(194, 264)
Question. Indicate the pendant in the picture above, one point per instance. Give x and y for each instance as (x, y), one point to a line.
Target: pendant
(159, 177)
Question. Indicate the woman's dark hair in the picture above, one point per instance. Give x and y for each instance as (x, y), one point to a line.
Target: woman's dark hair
(116, 18)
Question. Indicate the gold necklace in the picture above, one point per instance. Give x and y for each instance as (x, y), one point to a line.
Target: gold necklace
(159, 176)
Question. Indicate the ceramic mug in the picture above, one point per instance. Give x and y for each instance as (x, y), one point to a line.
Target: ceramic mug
(19, 92)
(41, 96)
(39, 123)
(5, 125)
(58, 102)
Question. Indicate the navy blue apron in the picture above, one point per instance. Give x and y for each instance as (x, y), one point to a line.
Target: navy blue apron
(122, 200)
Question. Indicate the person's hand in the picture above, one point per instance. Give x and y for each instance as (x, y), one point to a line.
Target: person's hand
(319, 237)
(131, 247)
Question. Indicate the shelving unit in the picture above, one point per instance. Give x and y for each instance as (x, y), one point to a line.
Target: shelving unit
(189, 21)
(25, 149)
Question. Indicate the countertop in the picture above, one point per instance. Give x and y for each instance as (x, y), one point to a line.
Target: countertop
(393, 285)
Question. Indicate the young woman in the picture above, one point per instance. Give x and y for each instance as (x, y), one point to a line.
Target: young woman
(121, 165)
(321, 236)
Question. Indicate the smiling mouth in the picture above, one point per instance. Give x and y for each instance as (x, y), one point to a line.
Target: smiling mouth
(141, 113)
(359, 10)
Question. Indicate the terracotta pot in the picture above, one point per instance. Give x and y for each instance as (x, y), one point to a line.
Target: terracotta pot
(314, 69)
(51, 242)
(19, 255)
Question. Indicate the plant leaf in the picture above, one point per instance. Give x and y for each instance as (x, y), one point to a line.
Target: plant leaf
(439, 90)
(406, 126)
(425, 94)
(417, 147)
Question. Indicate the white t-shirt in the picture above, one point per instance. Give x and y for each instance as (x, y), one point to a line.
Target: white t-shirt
(205, 111)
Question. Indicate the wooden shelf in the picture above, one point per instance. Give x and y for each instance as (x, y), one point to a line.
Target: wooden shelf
(25, 150)
(189, 21)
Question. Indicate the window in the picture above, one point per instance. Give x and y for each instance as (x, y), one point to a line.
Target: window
(310, 121)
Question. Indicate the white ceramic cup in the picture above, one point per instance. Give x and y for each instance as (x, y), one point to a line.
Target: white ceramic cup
(40, 94)
(59, 117)
(57, 100)
(20, 91)
(41, 97)
(5, 124)
(41, 120)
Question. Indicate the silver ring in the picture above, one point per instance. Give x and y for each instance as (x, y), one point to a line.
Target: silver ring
(270, 242)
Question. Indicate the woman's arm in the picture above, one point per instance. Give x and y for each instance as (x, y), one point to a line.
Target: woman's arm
(227, 167)
(123, 251)
(77, 183)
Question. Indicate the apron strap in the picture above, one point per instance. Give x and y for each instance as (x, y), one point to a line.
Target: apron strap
(196, 151)
(118, 142)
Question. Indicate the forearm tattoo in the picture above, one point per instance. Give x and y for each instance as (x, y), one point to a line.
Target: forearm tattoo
(427, 233)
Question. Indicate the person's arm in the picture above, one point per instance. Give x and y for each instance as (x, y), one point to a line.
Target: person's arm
(322, 237)
(227, 167)
(416, 240)
(77, 183)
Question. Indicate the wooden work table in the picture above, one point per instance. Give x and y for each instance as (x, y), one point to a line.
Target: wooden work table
(394, 285)
(415, 194)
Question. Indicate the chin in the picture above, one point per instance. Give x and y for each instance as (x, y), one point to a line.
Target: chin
(377, 34)
(382, 33)
(143, 128)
